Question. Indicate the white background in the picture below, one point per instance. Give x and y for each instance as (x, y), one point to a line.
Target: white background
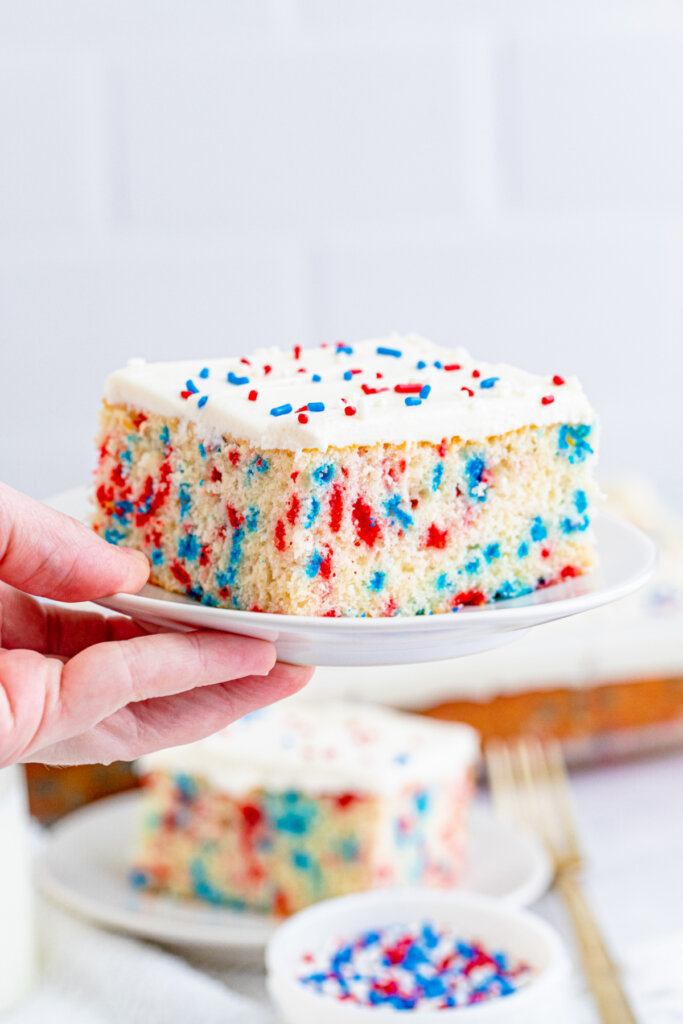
(204, 176)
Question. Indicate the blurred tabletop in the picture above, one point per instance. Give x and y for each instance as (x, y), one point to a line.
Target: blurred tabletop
(633, 840)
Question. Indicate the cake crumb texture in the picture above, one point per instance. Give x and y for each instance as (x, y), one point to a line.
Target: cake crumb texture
(379, 530)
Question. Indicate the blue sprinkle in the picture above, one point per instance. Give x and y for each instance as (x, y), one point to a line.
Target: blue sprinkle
(580, 501)
(413, 400)
(281, 410)
(313, 512)
(572, 442)
(234, 379)
(251, 520)
(395, 352)
(202, 401)
(202, 450)
(316, 407)
(376, 582)
(258, 465)
(392, 507)
(114, 536)
(165, 435)
(184, 499)
(301, 860)
(204, 373)
(348, 375)
(474, 471)
(422, 801)
(437, 476)
(235, 556)
(523, 550)
(489, 382)
(313, 567)
(575, 525)
(346, 349)
(138, 879)
(425, 391)
(188, 547)
(323, 474)
(442, 582)
(491, 551)
(421, 365)
(191, 387)
(316, 378)
(437, 364)
(472, 566)
(538, 530)
(157, 556)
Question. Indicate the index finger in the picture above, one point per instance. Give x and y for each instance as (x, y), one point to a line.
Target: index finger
(49, 554)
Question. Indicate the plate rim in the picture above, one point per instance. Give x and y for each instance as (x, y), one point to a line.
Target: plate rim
(192, 934)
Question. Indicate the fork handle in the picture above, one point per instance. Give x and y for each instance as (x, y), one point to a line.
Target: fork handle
(600, 970)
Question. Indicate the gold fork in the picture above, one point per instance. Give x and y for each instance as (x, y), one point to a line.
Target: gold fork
(529, 785)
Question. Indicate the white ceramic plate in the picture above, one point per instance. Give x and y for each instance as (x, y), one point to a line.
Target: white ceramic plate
(627, 558)
(84, 866)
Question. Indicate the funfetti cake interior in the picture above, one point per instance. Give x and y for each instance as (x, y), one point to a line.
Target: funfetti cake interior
(303, 801)
(386, 477)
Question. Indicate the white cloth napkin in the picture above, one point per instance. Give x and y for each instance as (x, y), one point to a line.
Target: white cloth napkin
(91, 976)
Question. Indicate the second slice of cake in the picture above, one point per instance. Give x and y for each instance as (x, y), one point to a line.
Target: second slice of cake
(301, 801)
(388, 477)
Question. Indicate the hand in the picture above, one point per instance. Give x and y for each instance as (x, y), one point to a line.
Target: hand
(79, 687)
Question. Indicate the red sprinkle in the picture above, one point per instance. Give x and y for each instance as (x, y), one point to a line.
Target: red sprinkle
(349, 411)
(372, 391)
(547, 400)
(253, 395)
(476, 373)
(267, 369)
(245, 361)
(557, 380)
(436, 538)
(453, 366)
(336, 507)
(569, 572)
(293, 509)
(280, 535)
(303, 418)
(185, 394)
(469, 391)
(469, 597)
(408, 389)
(297, 351)
(366, 524)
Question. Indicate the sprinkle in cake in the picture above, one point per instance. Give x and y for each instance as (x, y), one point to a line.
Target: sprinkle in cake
(304, 801)
(386, 477)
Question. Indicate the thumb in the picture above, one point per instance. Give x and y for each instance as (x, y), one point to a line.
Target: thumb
(46, 553)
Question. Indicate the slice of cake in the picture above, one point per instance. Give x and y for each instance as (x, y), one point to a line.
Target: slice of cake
(387, 477)
(302, 801)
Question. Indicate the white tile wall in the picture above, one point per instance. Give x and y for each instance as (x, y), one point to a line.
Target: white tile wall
(211, 176)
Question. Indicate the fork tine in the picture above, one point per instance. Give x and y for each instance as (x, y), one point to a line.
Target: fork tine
(557, 773)
(501, 783)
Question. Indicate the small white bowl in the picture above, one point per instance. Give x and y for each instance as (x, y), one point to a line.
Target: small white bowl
(515, 932)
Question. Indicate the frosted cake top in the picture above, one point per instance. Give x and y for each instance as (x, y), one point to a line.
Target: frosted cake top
(331, 747)
(394, 389)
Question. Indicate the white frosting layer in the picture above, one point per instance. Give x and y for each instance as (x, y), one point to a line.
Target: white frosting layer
(476, 401)
(331, 747)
